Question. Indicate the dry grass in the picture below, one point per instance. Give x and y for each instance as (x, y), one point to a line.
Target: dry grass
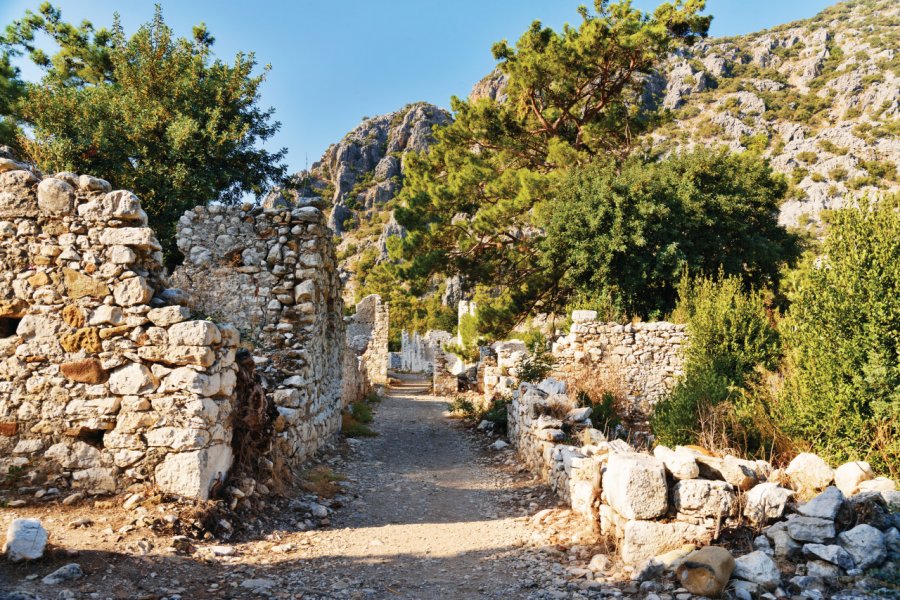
(321, 481)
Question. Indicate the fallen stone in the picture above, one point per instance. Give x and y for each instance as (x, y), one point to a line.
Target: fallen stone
(64, 574)
(635, 486)
(810, 529)
(706, 571)
(258, 585)
(849, 476)
(499, 445)
(865, 544)
(222, 550)
(824, 569)
(766, 501)
(809, 472)
(879, 484)
(824, 506)
(25, 540)
(831, 553)
(318, 511)
(758, 568)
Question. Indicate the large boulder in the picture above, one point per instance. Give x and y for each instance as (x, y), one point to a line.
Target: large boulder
(635, 486)
(644, 540)
(702, 498)
(865, 544)
(766, 501)
(25, 540)
(826, 505)
(706, 571)
(809, 472)
(849, 476)
(810, 529)
(192, 474)
(758, 568)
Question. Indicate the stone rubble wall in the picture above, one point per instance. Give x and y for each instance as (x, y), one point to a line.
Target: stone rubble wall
(642, 360)
(272, 272)
(366, 353)
(104, 382)
(417, 352)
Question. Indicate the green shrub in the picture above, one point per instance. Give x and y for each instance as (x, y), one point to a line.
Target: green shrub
(838, 173)
(361, 412)
(829, 146)
(537, 366)
(603, 411)
(730, 339)
(807, 157)
(842, 385)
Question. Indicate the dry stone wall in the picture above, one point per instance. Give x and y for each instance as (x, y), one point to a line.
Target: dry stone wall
(272, 272)
(103, 383)
(641, 360)
(366, 354)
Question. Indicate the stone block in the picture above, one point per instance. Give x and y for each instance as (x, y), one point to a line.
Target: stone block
(635, 486)
(25, 540)
(194, 333)
(55, 197)
(192, 474)
(643, 540)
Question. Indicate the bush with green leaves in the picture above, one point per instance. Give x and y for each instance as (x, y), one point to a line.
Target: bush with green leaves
(730, 340)
(842, 379)
(536, 366)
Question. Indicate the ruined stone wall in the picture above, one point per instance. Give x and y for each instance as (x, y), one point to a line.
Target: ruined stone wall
(272, 272)
(366, 353)
(641, 360)
(102, 384)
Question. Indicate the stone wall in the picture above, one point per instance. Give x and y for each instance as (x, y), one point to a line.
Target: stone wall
(417, 351)
(366, 354)
(102, 384)
(641, 360)
(272, 272)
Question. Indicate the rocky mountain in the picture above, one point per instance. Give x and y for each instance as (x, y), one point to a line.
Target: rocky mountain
(360, 176)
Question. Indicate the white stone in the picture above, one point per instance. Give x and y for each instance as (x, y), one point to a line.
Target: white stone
(133, 379)
(644, 540)
(139, 237)
(635, 486)
(879, 484)
(848, 476)
(809, 472)
(25, 540)
(95, 479)
(191, 474)
(177, 438)
(132, 291)
(680, 464)
(577, 415)
(189, 380)
(55, 196)
(810, 529)
(106, 314)
(194, 333)
(122, 255)
(758, 568)
(766, 501)
(169, 315)
(584, 316)
(28, 446)
(703, 498)
(93, 184)
(865, 544)
(499, 445)
(64, 574)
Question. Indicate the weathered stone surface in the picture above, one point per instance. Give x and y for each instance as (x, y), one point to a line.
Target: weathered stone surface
(736, 472)
(865, 544)
(680, 464)
(849, 476)
(96, 480)
(809, 472)
(73, 316)
(703, 498)
(191, 474)
(93, 184)
(132, 379)
(84, 371)
(139, 237)
(17, 195)
(811, 529)
(169, 315)
(825, 506)
(80, 285)
(64, 574)
(831, 553)
(758, 568)
(25, 540)
(635, 486)
(201, 356)
(86, 339)
(55, 196)
(766, 501)
(706, 571)
(132, 291)
(643, 540)
(194, 333)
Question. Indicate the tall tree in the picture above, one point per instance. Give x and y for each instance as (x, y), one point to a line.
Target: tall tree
(474, 203)
(153, 113)
(11, 89)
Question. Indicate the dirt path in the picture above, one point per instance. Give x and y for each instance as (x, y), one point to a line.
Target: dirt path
(428, 513)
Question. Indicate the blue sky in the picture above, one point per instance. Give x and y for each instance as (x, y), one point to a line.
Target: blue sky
(335, 61)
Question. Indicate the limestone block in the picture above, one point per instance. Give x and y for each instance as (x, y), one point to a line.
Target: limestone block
(644, 540)
(139, 237)
(106, 315)
(132, 291)
(79, 285)
(201, 356)
(17, 198)
(703, 498)
(766, 501)
(38, 326)
(55, 196)
(635, 486)
(95, 479)
(189, 380)
(177, 438)
(194, 333)
(758, 568)
(75, 455)
(191, 474)
(680, 464)
(810, 529)
(132, 379)
(25, 540)
(831, 553)
(121, 255)
(741, 474)
(87, 339)
(824, 506)
(169, 315)
(93, 184)
(809, 472)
